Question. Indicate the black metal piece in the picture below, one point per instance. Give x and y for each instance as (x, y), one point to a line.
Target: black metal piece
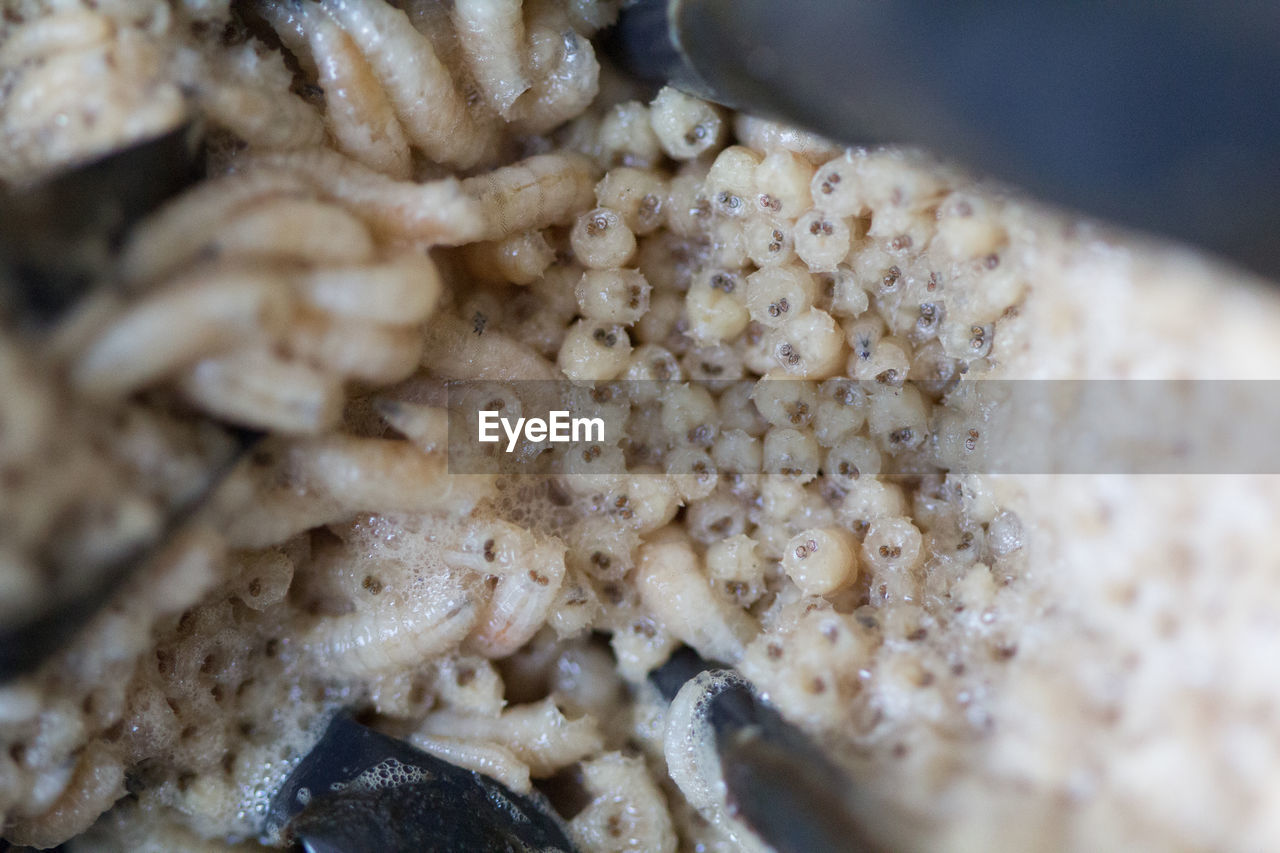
(60, 234)
(641, 42)
(781, 783)
(360, 791)
(682, 666)
(778, 781)
(1156, 114)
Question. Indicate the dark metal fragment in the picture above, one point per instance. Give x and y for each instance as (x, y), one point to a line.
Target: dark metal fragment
(59, 236)
(359, 790)
(778, 781)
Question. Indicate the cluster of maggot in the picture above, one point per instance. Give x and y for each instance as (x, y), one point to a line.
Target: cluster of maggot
(804, 309)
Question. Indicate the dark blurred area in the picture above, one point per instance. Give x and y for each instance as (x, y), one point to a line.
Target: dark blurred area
(1161, 115)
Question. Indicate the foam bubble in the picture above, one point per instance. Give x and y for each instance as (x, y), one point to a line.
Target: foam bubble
(389, 773)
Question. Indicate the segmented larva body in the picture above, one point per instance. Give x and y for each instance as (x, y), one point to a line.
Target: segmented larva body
(164, 241)
(291, 229)
(562, 69)
(489, 759)
(270, 119)
(673, 587)
(389, 638)
(821, 560)
(521, 258)
(768, 241)
(521, 600)
(784, 401)
(547, 189)
(381, 475)
(791, 453)
(192, 318)
(454, 350)
(685, 126)
(777, 294)
(594, 351)
(537, 733)
(809, 345)
(353, 348)
(245, 91)
(323, 308)
(625, 803)
(715, 307)
(314, 481)
(613, 296)
(730, 182)
(433, 112)
(426, 426)
(688, 745)
(403, 291)
(358, 114)
(491, 35)
(433, 213)
(262, 388)
(821, 240)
